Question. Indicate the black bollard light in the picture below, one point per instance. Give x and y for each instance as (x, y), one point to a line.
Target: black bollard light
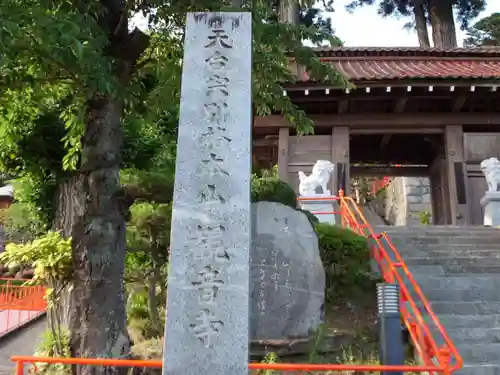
(391, 333)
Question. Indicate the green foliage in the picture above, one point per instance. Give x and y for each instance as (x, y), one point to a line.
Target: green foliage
(20, 222)
(272, 189)
(141, 325)
(270, 358)
(50, 255)
(346, 257)
(52, 346)
(137, 305)
(485, 32)
(273, 172)
(155, 185)
(425, 217)
(149, 226)
(148, 238)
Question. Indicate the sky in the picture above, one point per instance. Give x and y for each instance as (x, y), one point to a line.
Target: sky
(365, 28)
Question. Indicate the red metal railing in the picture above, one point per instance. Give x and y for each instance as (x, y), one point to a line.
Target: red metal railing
(442, 359)
(380, 184)
(413, 307)
(19, 304)
(21, 361)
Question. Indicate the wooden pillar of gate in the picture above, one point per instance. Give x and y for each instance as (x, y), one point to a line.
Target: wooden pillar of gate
(340, 158)
(456, 173)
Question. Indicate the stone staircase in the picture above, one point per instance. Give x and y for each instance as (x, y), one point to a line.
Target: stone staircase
(458, 270)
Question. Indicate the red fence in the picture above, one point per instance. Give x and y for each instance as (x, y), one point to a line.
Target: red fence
(21, 361)
(19, 304)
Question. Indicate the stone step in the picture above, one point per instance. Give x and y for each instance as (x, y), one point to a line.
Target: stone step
(475, 335)
(480, 353)
(459, 282)
(417, 228)
(427, 270)
(478, 369)
(440, 270)
(401, 246)
(453, 321)
(456, 307)
(462, 295)
(467, 336)
(451, 261)
(449, 252)
(449, 241)
(465, 308)
(438, 233)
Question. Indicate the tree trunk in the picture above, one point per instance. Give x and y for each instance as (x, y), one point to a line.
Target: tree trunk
(153, 281)
(68, 205)
(289, 11)
(98, 321)
(421, 25)
(444, 34)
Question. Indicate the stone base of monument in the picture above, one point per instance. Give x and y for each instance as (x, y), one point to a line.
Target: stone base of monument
(321, 208)
(491, 208)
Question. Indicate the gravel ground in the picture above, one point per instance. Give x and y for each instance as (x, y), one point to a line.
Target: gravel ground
(23, 342)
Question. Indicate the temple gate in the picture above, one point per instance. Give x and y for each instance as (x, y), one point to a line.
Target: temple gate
(437, 113)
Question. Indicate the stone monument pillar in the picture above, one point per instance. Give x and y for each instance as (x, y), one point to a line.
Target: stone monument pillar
(207, 324)
(321, 203)
(490, 202)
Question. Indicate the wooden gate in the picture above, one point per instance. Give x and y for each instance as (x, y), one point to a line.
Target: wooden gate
(439, 192)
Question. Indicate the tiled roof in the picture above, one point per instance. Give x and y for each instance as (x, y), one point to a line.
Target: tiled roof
(487, 51)
(358, 63)
(411, 69)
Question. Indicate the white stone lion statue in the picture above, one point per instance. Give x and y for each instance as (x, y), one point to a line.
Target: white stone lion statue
(491, 169)
(319, 177)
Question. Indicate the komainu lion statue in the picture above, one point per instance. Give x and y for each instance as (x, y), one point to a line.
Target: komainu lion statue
(319, 177)
(491, 169)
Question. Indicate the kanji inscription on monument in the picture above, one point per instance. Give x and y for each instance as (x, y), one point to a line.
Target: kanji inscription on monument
(208, 283)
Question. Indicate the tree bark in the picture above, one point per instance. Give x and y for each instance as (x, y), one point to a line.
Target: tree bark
(98, 320)
(68, 205)
(289, 11)
(444, 34)
(421, 25)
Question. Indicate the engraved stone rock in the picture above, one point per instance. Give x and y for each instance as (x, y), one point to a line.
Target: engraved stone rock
(288, 278)
(206, 330)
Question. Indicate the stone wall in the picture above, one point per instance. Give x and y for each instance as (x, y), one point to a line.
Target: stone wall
(406, 198)
(395, 203)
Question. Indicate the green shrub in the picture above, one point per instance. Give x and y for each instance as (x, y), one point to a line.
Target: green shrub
(425, 217)
(272, 189)
(346, 258)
